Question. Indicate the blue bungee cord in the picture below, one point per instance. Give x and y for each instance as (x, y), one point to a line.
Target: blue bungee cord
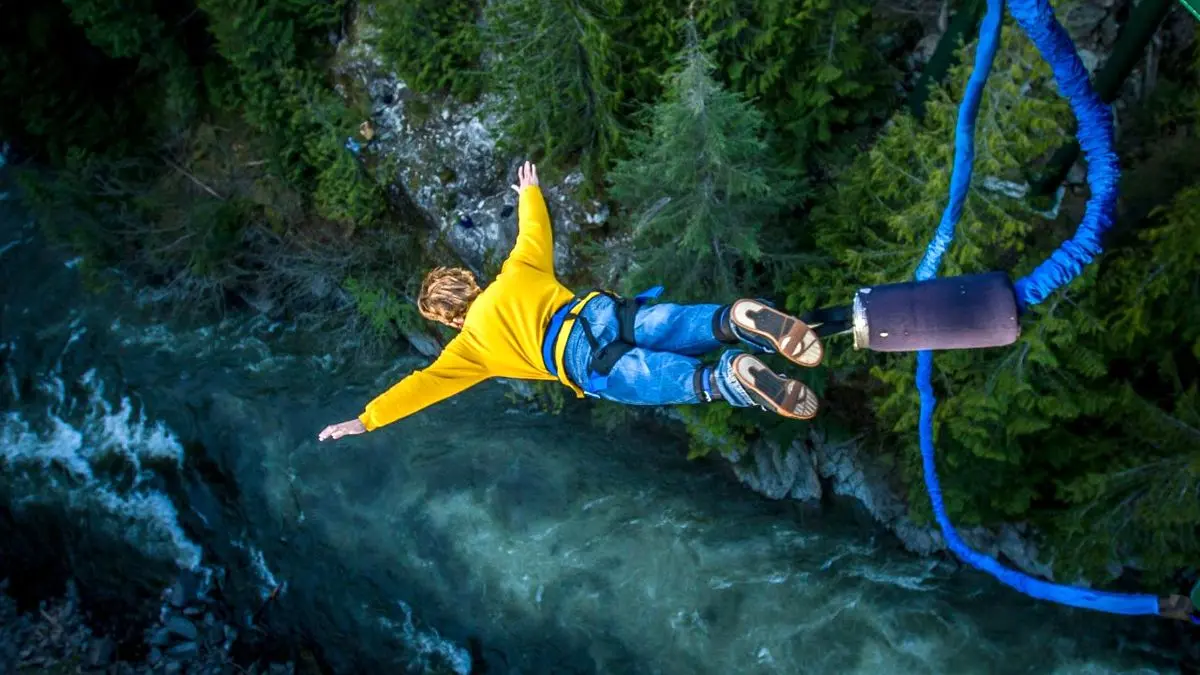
(1095, 134)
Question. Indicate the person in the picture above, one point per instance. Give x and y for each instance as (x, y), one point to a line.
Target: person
(527, 325)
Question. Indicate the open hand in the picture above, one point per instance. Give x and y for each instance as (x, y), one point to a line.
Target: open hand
(526, 176)
(347, 428)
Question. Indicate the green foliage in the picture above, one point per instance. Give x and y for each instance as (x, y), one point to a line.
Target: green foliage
(701, 185)
(389, 313)
(556, 67)
(60, 92)
(546, 396)
(814, 66)
(433, 45)
(715, 428)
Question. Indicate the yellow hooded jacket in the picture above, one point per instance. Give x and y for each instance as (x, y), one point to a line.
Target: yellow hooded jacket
(503, 330)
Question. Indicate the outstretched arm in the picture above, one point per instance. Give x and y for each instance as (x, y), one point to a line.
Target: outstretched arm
(535, 241)
(452, 372)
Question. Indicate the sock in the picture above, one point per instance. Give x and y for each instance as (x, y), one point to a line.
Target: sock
(722, 330)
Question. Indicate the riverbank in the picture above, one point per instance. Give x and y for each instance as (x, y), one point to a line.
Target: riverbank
(192, 633)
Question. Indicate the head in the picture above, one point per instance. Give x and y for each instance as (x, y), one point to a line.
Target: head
(447, 294)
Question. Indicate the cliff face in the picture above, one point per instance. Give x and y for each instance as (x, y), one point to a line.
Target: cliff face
(447, 158)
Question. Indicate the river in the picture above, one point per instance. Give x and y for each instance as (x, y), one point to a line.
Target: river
(477, 534)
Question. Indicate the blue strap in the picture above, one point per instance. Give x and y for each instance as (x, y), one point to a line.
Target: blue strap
(648, 294)
(1095, 135)
(552, 332)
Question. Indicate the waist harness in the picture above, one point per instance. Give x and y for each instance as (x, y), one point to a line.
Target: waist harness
(604, 358)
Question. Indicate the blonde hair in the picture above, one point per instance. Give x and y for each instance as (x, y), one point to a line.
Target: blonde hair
(447, 293)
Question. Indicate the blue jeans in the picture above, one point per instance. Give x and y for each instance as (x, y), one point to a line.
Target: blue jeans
(661, 368)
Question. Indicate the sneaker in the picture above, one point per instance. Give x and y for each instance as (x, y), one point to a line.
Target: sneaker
(764, 325)
(773, 392)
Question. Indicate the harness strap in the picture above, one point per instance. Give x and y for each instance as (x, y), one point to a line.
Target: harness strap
(605, 358)
(554, 346)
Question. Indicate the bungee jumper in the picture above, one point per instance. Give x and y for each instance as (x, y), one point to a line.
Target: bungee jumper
(527, 325)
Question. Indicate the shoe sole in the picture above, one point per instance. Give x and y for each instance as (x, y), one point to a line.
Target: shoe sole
(790, 337)
(778, 394)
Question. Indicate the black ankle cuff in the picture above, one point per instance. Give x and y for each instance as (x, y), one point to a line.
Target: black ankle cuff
(702, 376)
(721, 328)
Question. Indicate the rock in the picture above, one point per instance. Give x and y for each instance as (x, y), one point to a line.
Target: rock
(172, 668)
(925, 48)
(424, 344)
(100, 652)
(180, 626)
(449, 165)
(1083, 18)
(777, 473)
(160, 637)
(155, 656)
(185, 589)
(1090, 60)
(183, 650)
(1077, 175)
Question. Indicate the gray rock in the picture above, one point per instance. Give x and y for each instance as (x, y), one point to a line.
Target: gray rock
(183, 650)
(160, 637)
(424, 344)
(180, 626)
(172, 668)
(777, 473)
(449, 166)
(155, 656)
(853, 475)
(100, 652)
(184, 589)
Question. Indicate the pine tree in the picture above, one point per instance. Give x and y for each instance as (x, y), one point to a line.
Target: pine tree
(554, 65)
(813, 66)
(701, 185)
(433, 45)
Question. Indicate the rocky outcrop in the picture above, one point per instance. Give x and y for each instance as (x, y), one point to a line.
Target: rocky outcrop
(190, 637)
(846, 470)
(446, 158)
(779, 473)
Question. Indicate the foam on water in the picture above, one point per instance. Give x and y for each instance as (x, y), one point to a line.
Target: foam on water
(429, 648)
(63, 454)
(267, 583)
(56, 465)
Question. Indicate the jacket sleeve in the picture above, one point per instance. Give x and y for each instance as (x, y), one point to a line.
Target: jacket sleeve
(454, 371)
(535, 241)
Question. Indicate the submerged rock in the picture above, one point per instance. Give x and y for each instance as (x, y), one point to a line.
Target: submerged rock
(183, 649)
(180, 626)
